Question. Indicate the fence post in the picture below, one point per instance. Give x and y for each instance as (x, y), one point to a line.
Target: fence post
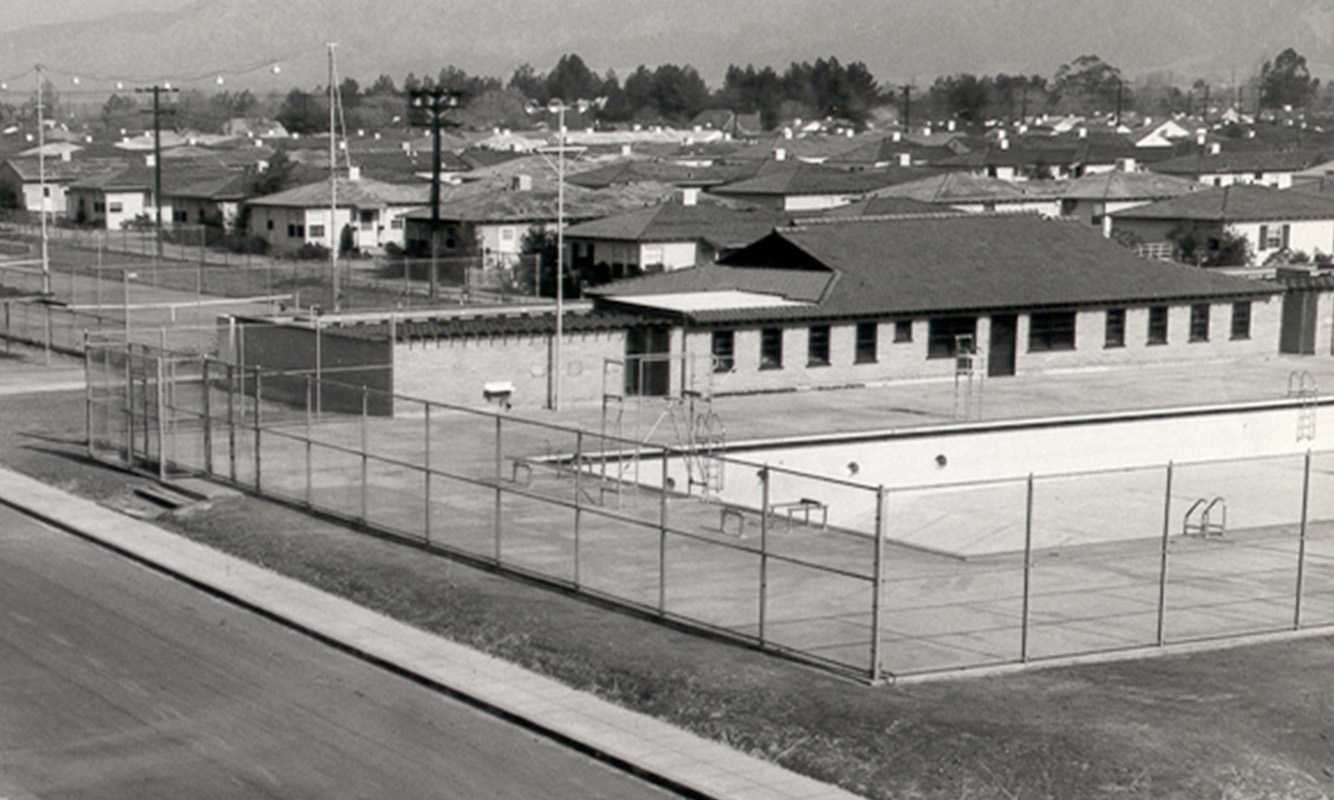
(208, 418)
(426, 461)
(231, 421)
(1301, 544)
(258, 395)
(1028, 570)
(878, 586)
(309, 482)
(88, 394)
(365, 517)
(129, 405)
(46, 325)
(160, 396)
(662, 538)
(764, 549)
(1162, 567)
(578, 496)
(497, 476)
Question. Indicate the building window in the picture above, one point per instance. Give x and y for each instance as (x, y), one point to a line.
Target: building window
(396, 224)
(771, 348)
(1274, 237)
(1199, 322)
(1241, 320)
(1157, 325)
(367, 216)
(1051, 330)
(943, 335)
(268, 224)
(506, 234)
(99, 207)
(317, 231)
(902, 330)
(724, 343)
(817, 350)
(866, 341)
(1115, 332)
(115, 208)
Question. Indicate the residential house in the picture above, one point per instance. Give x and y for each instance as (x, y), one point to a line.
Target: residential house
(1218, 167)
(1091, 198)
(215, 201)
(1272, 222)
(966, 192)
(21, 178)
(673, 235)
(490, 220)
(783, 185)
(373, 212)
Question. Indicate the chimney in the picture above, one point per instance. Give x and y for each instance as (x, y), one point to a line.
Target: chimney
(1083, 132)
(1215, 148)
(150, 160)
(353, 173)
(1199, 138)
(407, 147)
(1127, 164)
(1005, 144)
(522, 183)
(780, 154)
(905, 159)
(377, 136)
(926, 130)
(896, 136)
(65, 155)
(949, 126)
(361, 131)
(626, 150)
(1148, 122)
(787, 132)
(690, 196)
(1023, 128)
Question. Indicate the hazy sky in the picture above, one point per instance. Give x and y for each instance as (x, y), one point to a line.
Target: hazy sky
(22, 13)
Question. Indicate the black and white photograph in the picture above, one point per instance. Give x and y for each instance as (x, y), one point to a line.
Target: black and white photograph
(715, 400)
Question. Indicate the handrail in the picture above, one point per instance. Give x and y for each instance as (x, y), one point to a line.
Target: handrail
(1204, 528)
(1185, 520)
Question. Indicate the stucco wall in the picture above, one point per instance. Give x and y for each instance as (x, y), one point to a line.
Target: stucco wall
(456, 370)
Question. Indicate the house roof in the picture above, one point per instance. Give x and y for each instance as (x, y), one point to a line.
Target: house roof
(885, 206)
(1241, 202)
(674, 222)
(786, 178)
(58, 171)
(958, 187)
(220, 188)
(1119, 185)
(941, 264)
(365, 193)
(1238, 161)
(635, 171)
(494, 324)
(499, 205)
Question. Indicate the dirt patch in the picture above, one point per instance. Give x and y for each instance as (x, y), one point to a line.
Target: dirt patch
(1254, 722)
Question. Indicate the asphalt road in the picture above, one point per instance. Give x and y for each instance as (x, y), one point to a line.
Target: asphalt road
(118, 682)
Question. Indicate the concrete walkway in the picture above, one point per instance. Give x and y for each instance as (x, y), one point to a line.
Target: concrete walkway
(668, 754)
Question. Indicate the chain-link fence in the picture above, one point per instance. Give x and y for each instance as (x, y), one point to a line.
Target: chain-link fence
(1060, 565)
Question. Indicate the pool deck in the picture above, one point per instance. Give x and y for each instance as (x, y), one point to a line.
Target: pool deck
(932, 402)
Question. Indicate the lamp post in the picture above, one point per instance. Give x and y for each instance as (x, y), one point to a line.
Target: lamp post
(432, 105)
(558, 107)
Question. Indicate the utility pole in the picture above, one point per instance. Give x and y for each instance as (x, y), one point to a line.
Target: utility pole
(157, 91)
(41, 179)
(907, 107)
(434, 103)
(334, 236)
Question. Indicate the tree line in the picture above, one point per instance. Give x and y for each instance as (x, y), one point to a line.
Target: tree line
(675, 94)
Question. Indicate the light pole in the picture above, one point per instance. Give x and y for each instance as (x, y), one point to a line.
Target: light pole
(558, 107)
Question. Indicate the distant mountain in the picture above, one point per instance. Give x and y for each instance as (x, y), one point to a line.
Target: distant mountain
(902, 40)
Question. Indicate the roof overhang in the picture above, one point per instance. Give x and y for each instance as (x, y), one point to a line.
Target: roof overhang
(696, 302)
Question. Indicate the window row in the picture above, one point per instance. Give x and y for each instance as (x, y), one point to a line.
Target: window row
(817, 345)
(1048, 331)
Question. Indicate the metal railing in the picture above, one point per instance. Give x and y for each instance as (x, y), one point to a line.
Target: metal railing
(1030, 569)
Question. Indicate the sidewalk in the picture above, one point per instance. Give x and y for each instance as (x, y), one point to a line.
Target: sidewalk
(650, 747)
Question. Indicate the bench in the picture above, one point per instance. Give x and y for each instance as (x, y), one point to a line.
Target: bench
(804, 506)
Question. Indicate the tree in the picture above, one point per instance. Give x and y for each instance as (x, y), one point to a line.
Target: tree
(1209, 247)
(384, 85)
(572, 80)
(119, 110)
(303, 112)
(1089, 83)
(1286, 81)
(966, 97)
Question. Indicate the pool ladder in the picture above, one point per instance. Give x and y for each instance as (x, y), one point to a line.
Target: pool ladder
(1202, 524)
